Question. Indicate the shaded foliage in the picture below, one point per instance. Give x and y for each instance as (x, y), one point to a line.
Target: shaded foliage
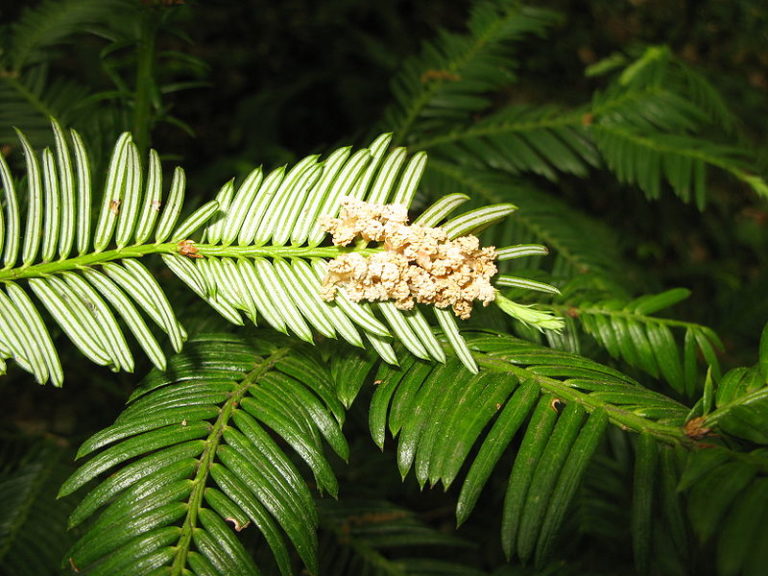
(631, 441)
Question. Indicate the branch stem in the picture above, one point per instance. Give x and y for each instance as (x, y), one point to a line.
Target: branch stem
(626, 419)
(44, 269)
(145, 80)
(200, 480)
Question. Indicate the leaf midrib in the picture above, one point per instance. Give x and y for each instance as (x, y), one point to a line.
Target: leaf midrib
(200, 480)
(453, 66)
(44, 269)
(569, 119)
(625, 419)
(628, 314)
(12, 79)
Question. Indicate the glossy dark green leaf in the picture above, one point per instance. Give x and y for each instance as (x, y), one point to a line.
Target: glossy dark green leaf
(644, 485)
(663, 343)
(545, 477)
(671, 459)
(711, 496)
(418, 415)
(451, 395)
(281, 470)
(141, 498)
(182, 454)
(223, 549)
(319, 413)
(690, 367)
(351, 370)
(284, 417)
(651, 304)
(200, 564)
(274, 494)
(140, 555)
(607, 335)
(531, 450)
(309, 450)
(111, 540)
(627, 345)
(314, 375)
(404, 397)
(180, 416)
(387, 383)
(745, 521)
(470, 417)
(762, 357)
(193, 395)
(568, 481)
(508, 422)
(246, 500)
(227, 509)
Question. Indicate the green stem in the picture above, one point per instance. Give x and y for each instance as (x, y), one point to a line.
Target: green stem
(145, 81)
(209, 454)
(659, 146)
(200, 250)
(629, 315)
(280, 251)
(573, 118)
(55, 267)
(433, 87)
(714, 417)
(11, 78)
(625, 419)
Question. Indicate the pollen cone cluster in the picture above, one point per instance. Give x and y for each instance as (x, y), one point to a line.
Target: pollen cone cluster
(419, 264)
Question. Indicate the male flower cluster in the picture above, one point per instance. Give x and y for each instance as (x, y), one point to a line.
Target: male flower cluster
(419, 264)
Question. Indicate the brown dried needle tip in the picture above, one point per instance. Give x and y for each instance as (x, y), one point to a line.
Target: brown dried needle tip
(419, 264)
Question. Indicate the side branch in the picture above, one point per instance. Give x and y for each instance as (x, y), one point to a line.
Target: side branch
(87, 260)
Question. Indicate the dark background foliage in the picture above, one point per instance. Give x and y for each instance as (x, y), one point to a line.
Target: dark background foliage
(248, 83)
